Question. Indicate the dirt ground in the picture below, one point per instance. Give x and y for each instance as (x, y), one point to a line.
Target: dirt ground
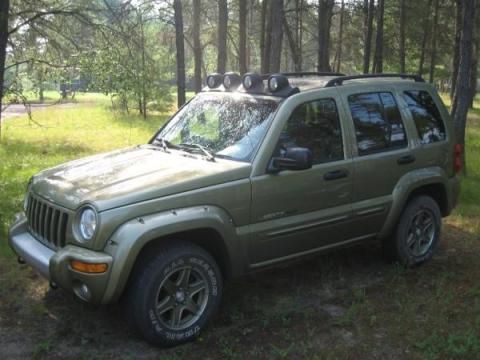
(346, 304)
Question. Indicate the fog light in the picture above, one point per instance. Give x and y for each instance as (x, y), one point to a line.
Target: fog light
(83, 292)
(88, 268)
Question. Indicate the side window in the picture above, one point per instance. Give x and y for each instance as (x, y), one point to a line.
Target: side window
(378, 123)
(314, 125)
(425, 113)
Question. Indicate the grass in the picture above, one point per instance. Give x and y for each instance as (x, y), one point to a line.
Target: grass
(59, 135)
(345, 305)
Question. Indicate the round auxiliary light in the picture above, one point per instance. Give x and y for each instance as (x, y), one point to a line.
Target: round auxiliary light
(214, 80)
(251, 80)
(277, 82)
(231, 80)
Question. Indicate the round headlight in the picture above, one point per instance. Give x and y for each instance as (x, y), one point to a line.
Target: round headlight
(88, 223)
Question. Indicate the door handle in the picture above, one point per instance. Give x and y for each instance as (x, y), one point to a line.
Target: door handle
(336, 174)
(407, 159)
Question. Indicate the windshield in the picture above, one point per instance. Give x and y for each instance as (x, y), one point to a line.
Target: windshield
(227, 125)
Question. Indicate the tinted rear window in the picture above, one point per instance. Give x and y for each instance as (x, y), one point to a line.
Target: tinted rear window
(426, 116)
(378, 123)
(316, 126)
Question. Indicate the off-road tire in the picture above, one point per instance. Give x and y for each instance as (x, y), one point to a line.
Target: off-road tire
(142, 296)
(396, 247)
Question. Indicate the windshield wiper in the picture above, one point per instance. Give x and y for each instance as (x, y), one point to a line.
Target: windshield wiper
(164, 144)
(208, 154)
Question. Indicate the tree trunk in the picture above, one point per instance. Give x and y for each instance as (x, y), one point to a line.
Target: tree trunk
(293, 47)
(378, 58)
(340, 37)
(263, 37)
(197, 46)
(456, 47)
(143, 110)
(474, 65)
(4, 7)
(242, 41)
(401, 45)
(177, 6)
(462, 93)
(426, 28)
(433, 54)
(277, 20)
(222, 36)
(300, 34)
(325, 8)
(369, 11)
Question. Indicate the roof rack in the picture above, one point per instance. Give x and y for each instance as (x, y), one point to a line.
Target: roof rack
(303, 74)
(341, 79)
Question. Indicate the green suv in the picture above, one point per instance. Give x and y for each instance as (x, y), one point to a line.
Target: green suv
(253, 171)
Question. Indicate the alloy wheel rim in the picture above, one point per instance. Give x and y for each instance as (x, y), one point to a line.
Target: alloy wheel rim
(421, 233)
(181, 298)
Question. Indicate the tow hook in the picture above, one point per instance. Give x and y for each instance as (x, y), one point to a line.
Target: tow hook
(53, 286)
(20, 260)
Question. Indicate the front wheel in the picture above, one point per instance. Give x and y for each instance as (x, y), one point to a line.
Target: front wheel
(173, 295)
(417, 232)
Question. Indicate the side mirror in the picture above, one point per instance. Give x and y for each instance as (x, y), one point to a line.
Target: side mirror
(296, 158)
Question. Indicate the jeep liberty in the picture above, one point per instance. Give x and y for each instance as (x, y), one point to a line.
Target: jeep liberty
(253, 171)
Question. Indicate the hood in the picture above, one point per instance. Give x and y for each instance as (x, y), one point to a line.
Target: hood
(132, 175)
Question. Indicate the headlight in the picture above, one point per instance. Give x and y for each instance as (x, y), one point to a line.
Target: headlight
(88, 223)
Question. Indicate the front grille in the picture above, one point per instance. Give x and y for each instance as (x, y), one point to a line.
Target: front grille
(46, 222)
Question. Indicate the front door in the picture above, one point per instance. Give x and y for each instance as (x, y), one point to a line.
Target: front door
(297, 212)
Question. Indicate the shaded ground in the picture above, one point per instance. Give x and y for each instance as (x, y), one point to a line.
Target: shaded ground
(346, 304)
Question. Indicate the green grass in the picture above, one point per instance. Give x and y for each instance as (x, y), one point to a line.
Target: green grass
(59, 135)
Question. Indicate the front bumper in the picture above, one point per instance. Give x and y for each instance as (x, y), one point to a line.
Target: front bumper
(55, 265)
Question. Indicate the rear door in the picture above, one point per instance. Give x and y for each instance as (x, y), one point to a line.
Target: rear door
(296, 212)
(382, 153)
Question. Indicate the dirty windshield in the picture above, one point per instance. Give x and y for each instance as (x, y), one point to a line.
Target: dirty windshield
(225, 124)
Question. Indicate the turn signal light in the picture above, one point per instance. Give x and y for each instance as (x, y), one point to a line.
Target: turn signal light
(88, 268)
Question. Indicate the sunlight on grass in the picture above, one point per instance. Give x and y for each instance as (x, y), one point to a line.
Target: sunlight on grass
(61, 135)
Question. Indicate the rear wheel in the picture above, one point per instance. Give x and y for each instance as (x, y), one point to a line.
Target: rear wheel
(172, 296)
(417, 232)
